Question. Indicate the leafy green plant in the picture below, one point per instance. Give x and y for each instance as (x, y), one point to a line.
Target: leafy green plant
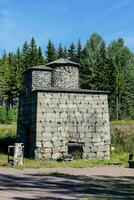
(7, 136)
(8, 117)
(122, 136)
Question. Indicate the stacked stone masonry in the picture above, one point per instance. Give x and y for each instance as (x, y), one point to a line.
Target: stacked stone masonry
(65, 77)
(76, 118)
(54, 113)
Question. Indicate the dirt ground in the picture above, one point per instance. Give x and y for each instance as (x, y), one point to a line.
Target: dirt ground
(95, 183)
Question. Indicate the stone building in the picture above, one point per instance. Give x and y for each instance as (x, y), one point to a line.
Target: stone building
(56, 118)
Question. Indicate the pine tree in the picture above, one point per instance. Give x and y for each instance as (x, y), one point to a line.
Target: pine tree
(3, 70)
(41, 60)
(92, 63)
(85, 71)
(7, 82)
(101, 68)
(72, 52)
(25, 56)
(11, 93)
(18, 71)
(51, 54)
(65, 53)
(120, 60)
(78, 51)
(33, 53)
(61, 53)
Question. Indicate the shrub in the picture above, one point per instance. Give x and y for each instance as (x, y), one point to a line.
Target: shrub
(7, 118)
(122, 136)
(7, 136)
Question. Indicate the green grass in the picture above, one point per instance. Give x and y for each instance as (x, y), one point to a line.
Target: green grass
(116, 158)
(7, 136)
(9, 129)
(122, 122)
(122, 134)
(8, 118)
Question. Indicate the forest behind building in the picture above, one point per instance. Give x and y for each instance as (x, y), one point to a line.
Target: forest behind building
(102, 67)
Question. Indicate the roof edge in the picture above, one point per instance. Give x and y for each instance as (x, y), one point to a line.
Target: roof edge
(63, 61)
(39, 68)
(84, 91)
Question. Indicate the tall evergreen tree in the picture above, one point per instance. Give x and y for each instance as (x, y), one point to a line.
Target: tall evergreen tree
(25, 56)
(51, 54)
(3, 73)
(33, 53)
(120, 60)
(61, 53)
(18, 71)
(72, 52)
(65, 53)
(101, 68)
(41, 59)
(7, 76)
(11, 93)
(92, 63)
(78, 51)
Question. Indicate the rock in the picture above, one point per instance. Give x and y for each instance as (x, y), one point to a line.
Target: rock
(56, 156)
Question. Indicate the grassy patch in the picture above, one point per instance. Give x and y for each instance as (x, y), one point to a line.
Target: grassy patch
(3, 159)
(7, 136)
(121, 158)
(122, 138)
(8, 118)
(116, 158)
(122, 122)
(75, 163)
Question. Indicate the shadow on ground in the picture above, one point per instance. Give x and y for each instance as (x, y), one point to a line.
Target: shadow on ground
(56, 186)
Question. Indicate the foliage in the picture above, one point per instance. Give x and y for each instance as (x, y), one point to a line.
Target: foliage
(7, 136)
(78, 51)
(116, 158)
(7, 118)
(108, 68)
(120, 68)
(122, 139)
(93, 64)
(51, 54)
(72, 52)
(61, 53)
(122, 136)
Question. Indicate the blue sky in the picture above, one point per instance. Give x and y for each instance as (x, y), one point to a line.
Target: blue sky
(64, 21)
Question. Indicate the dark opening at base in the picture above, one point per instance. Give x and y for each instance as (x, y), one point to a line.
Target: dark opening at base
(76, 150)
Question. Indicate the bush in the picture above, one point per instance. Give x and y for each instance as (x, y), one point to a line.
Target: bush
(7, 136)
(122, 136)
(7, 118)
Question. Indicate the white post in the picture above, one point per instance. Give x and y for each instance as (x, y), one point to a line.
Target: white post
(18, 154)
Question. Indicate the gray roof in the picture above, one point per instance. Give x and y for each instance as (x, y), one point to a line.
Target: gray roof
(40, 67)
(77, 91)
(63, 61)
(43, 67)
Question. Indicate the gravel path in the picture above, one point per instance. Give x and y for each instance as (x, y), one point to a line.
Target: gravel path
(67, 183)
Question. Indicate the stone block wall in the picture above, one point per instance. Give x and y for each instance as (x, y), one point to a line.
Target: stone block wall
(41, 80)
(26, 124)
(65, 77)
(37, 80)
(72, 117)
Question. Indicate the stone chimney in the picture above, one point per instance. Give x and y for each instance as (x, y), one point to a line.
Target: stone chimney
(65, 74)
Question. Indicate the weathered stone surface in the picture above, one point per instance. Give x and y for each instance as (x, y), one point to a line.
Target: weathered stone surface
(18, 154)
(49, 119)
(47, 144)
(56, 156)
